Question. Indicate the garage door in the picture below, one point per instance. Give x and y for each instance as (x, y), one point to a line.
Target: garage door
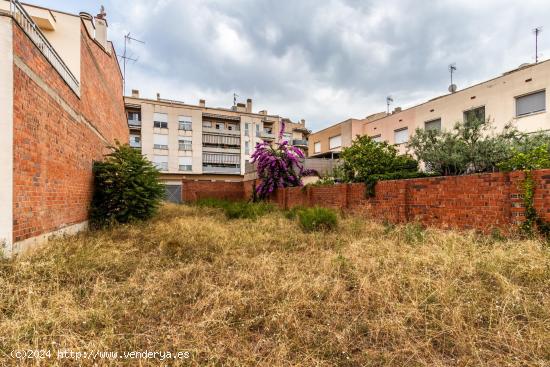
(173, 193)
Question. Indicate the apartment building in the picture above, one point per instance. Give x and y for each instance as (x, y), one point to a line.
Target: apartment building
(328, 142)
(188, 141)
(61, 106)
(518, 96)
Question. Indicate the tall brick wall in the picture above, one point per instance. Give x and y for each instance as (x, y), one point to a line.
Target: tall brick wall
(482, 202)
(58, 135)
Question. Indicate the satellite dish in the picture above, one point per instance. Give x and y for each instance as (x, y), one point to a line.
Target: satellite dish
(452, 88)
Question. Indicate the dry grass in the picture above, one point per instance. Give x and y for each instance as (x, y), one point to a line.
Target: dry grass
(242, 292)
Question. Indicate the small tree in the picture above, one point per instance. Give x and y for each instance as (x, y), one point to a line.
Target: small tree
(366, 157)
(126, 188)
(277, 166)
(471, 146)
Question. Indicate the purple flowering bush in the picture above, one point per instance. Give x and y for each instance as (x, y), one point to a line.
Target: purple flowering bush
(277, 166)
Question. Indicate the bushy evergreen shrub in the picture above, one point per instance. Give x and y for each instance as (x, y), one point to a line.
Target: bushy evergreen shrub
(126, 188)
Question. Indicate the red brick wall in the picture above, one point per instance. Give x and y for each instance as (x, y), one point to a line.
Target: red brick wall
(53, 148)
(481, 202)
(192, 190)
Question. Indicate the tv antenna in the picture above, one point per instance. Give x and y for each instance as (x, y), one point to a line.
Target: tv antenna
(452, 69)
(235, 95)
(389, 100)
(537, 31)
(125, 57)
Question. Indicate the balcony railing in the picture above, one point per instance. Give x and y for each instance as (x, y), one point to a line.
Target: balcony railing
(227, 170)
(35, 34)
(134, 123)
(267, 135)
(185, 167)
(299, 142)
(219, 131)
(185, 146)
(135, 145)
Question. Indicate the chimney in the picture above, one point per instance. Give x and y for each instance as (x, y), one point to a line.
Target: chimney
(88, 21)
(263, 112)
(396, 109)
(241, 107)
(158, 96)
(303, 122)
(202, 103)
(101, 29)
(135, 93)
(249, 105)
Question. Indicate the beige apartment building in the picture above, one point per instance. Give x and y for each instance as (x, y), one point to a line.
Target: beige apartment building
(518, 96)
(199, 142)
(328, 143)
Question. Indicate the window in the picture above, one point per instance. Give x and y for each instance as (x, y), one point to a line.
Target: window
(207, 124)
(287, 137)
(531, 103)
(246, 128)
(246, 147)
(220, 126)
(160, 141)
(185, 144)
(185, 163)
(160, 120)
(258, 130)
(184, 123)
(335, 142)
(161, 162)
(433, 125)
(377, 138)
(401, 136)
(232, 127)
(317, 147)
(135, 141)
(475, 114)
(134, 116)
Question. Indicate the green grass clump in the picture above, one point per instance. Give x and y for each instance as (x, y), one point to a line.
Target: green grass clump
(247, 210)
(317, 219)
(237, 209)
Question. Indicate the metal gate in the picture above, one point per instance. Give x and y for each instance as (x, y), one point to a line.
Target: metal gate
(173, 193)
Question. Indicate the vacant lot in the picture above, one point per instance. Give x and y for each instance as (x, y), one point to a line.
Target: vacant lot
(243, 292)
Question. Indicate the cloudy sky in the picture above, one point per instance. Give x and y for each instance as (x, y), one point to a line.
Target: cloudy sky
(324, 61)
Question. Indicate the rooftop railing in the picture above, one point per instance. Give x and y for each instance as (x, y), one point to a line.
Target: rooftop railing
(23, 18)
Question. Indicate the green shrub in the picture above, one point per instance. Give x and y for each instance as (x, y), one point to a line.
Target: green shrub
(126, 188)
(317, 219)
(366, 157)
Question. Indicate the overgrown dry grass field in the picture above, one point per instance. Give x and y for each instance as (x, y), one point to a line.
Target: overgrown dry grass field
(263, 292)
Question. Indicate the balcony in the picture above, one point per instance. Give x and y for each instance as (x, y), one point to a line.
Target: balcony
(185, 146)
(267, 135)
(226, 170)
(299, 142)
(234, 150)
(135, 145)
(134, 124)
(212, 130)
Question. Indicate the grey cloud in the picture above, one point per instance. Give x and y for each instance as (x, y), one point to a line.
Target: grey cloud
(324, 61)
